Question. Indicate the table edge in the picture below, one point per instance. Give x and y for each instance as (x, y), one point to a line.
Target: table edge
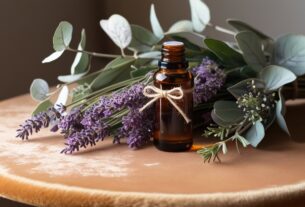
(40, 193)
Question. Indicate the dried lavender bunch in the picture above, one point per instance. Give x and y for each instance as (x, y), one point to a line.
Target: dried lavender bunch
(208, 79)
(83, 128)
(38, 121)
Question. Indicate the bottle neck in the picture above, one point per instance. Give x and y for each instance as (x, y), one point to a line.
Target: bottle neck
(172, 56)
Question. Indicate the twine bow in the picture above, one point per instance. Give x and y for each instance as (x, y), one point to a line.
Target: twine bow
(170, 95)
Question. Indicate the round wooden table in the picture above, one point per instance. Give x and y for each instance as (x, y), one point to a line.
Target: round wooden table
(34, 171)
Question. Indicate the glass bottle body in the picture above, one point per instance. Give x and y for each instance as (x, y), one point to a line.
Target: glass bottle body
(172, 133)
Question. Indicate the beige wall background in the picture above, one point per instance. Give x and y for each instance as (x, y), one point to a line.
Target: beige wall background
(27, 28)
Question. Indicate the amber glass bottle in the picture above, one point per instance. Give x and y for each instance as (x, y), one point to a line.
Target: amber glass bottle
(172, 133)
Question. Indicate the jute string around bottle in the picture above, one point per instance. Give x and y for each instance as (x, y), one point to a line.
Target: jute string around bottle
(171, 95)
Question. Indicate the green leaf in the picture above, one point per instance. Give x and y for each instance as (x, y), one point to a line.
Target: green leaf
(42, 106)
(242, 26)
(255, 134)
(187, 43)
(181, 26)
(62, 97)
(118, 62)
(71, 78)
(226, 113)
(289, 52)
(113, 74)
(280, 112)
(276, 76)
(251, 46)
(62, 36)
(81, 61)
(200, 14)
(155, 24)
(39, 89)
(228, 56)
(142, 39)
(118, 29)
(55, 55)
(142, 71)
(241, 88)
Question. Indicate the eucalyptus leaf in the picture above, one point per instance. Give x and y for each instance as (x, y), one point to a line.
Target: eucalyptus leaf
(39, 89)
(113, 75)
(242, 26)
(241, 88)
(118, 62)
(42, 106)
(251, 46)
(155, 24)
(181, 26)
(142, 39)
(228, 112)
(187, 43)
(142, 71)
(81, 61)
(200, 14)
(276, 76)
(71, 78)
(280, 112)
(62, 97)
(193, 37)
(55, 55)
(255, 134)
(228, 56)
(289, 52)
(118, 29)
(62, 36)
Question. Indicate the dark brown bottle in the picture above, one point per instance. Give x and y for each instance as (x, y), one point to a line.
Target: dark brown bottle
(172, 133)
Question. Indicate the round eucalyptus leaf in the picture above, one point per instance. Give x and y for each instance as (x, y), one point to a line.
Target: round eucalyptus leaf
(39, 89)
(42, 106)
(55, 55)
(181, 26)
(241, 88)
(200, 14)
(289, 52)
(276, 76)
(81, 60)
(118, 29)
(62, 36)
(155, 24)
(255, 134)
(228, 112)
(251, 46)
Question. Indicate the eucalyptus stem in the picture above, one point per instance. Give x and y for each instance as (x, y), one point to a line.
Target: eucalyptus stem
(221, 29)
(95, 54)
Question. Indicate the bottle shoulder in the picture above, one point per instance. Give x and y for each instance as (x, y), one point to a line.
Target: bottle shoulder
(173, 77)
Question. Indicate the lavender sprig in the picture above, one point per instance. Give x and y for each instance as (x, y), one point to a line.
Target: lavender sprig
(38, 121)
(209, 78)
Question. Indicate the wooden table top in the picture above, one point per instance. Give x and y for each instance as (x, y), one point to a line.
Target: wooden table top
(278, 162)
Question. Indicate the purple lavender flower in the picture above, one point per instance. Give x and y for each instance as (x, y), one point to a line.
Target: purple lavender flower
(38, 121)
(86, 128)
(86, 137)
(209, 78)
(137, 127)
